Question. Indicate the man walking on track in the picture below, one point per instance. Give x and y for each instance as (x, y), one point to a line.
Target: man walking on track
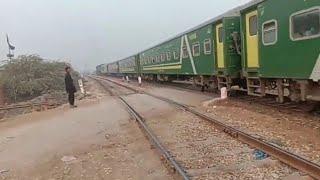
(70, 88)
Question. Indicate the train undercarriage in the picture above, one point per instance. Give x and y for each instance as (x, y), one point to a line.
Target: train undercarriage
(284, 90)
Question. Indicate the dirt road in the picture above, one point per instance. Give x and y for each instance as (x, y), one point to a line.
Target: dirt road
(95, 141)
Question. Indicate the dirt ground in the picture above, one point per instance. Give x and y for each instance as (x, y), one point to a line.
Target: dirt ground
(296, 132)
(98, 140)
(205, 152)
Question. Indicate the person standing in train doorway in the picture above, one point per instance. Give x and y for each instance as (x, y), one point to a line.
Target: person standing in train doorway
(70, 88)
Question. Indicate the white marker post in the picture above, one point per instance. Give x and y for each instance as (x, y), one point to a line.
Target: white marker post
(139, 80)
(128, 80)
(81, 86)
(224, 93)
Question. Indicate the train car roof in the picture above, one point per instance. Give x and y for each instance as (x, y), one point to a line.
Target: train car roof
(231, 13)
(99, 65)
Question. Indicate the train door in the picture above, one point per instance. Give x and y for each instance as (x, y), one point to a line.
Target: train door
(252, 39)
(220, 45)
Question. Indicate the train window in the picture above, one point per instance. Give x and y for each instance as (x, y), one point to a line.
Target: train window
(207, 46)
(270, 32)
(253, 25)
(175, 55)
(196, 49)
(168, 56)
(185, 52)
(220, 31)
(305, 24)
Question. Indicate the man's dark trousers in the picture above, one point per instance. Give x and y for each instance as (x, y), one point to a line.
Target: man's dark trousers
(71, 98)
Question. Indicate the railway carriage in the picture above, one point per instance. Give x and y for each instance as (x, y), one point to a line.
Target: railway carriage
(208, 54)
(260, 47)
(189, 54)
(281, 48)
(113, 68)
(98, 69)
(130, 66)
(102, 69)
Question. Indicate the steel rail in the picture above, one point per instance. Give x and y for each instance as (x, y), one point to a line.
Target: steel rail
(103, 85)
(151, 136)
(282, 155)
(156, 141)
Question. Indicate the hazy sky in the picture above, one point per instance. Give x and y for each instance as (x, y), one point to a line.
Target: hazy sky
(91, 32)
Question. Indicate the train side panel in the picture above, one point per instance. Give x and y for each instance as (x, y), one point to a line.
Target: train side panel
(190, 54)
(113, 68)
(281, 49)
(290, 38)
(129, 66)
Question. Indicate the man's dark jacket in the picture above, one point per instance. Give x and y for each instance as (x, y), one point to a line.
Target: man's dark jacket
(70, 88)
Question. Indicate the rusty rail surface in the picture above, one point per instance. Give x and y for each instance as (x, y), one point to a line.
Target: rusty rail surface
(284, 156)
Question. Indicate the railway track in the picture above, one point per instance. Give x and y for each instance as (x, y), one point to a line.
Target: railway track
(270, 101)
(309, 108)
(151, 136)
(284, 156)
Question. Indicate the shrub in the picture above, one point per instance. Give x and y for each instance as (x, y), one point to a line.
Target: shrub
(29, 76)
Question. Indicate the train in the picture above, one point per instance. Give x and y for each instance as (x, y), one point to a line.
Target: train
(264, 47)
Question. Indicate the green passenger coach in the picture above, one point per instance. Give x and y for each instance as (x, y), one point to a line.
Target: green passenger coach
(130, 66)
(193, 54)
(281, 48)
(263, 47)
(189, 55)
